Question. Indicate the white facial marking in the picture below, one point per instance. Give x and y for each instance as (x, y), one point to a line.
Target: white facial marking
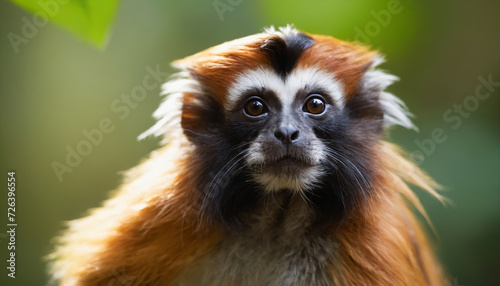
(305, 180)
(311, 78)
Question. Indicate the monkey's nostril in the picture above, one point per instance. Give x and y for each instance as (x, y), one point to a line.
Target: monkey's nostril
(278, 134)
(286, 134)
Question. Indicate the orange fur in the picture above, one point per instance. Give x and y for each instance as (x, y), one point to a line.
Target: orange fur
(215, 67)
(146, 224)
(384, 244)
(346, 60)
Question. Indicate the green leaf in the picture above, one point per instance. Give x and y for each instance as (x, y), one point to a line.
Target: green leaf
(90, 20)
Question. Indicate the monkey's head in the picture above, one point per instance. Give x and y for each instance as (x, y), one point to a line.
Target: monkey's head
(280, 112)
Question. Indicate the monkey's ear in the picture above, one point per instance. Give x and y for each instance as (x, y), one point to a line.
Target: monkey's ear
(374, 82)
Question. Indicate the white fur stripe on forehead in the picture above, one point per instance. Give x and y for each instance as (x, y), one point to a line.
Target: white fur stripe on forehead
(395, 111)
(308, 79)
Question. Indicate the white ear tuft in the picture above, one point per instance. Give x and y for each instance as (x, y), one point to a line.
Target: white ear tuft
(395, 111)
(169, 112)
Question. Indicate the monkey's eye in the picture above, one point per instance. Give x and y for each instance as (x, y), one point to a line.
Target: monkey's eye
(314, 105)
(255, 107)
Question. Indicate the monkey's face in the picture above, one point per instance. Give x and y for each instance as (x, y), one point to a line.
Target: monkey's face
(286, 121)
(280, 111)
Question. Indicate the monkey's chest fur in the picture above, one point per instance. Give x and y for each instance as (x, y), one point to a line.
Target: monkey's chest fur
(278, 246)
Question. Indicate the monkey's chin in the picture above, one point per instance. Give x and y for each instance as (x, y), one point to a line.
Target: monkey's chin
(289, 176)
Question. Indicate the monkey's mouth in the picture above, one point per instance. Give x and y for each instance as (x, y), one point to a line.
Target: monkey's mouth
(285, 165)
(294, 173)
(289, 159)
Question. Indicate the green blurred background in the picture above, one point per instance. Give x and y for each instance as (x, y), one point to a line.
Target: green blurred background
(56, 86)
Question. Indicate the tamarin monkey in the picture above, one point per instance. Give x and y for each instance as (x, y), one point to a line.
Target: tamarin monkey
(272, 171)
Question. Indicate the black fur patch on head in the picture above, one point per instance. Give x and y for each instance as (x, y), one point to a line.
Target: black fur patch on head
(284, 52)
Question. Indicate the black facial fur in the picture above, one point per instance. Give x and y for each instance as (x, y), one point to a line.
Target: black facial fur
(284, 53)
(223, 186)
(351, 135)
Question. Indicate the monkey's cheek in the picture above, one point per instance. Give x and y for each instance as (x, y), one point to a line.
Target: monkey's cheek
(290, 177)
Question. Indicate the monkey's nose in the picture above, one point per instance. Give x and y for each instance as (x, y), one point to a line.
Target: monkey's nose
(287, 134)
